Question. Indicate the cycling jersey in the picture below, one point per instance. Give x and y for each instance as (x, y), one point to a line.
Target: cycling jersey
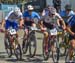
(12, 20)
(29, 18)
(71, 23)
(49, 22)
(65, 15)
(12, 16)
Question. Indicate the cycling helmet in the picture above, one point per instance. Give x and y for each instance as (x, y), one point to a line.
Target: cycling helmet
(30, 7)
(68, 7)
(52, 10)
(16, 9)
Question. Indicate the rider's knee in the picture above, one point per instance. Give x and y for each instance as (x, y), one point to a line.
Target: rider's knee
(46, 34)
(73, 43)
(6, 32)
(26, 31)
(34, 25)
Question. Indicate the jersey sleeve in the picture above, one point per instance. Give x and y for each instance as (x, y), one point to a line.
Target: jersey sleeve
(9, 14)
(37, 15)
(20, 15)
(58, 16)
(71, 21)
(25, 14)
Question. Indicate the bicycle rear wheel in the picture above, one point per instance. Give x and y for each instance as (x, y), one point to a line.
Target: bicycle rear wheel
(55, 53)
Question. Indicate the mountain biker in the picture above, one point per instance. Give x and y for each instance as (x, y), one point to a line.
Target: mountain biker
(13, 18)
(65, 14)
(49, 22)
(29, 16)
(71, 30)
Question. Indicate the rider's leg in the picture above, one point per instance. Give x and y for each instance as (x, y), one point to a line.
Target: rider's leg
(72, 43)
(33, 24)
(15, 26)
(7, 25)
(46, 40)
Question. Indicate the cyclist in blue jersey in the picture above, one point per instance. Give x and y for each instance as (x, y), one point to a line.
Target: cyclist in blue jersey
(65, 14)
(71, 30)
(29, 15)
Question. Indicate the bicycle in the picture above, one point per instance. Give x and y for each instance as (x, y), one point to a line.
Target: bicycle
(52, 40)
(30, 41)
(63, 45)
(12, 44)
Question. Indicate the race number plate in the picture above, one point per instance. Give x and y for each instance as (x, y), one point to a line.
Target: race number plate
(12, 31)
(53, 31)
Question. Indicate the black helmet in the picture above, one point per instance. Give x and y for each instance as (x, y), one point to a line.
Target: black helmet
(68, 7)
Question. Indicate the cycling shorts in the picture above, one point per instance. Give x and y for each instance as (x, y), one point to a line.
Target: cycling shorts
(71, 37)
(28, 23)
(48, 25)
(13, 24)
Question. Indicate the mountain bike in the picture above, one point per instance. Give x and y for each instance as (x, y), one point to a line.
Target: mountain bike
(30, 41)
(47, 47)
(12, 45)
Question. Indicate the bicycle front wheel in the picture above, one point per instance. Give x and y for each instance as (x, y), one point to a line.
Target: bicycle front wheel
(46, 49)
(17, 50)
(25, 46)
(32, 45)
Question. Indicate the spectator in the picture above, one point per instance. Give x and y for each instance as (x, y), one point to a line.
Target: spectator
(57, 5)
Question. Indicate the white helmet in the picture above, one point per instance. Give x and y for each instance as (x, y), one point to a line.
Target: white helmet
(52, 10)
(16, 9)
(30, 7)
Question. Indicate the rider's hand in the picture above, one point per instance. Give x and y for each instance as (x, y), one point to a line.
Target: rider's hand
(2, 29)
(64, 28)
(59, 27)
(43, 29)
(73, 34)
(21, 26)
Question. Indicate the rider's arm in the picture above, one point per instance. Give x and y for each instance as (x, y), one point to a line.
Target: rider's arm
(60, 20)
(41, 21)
(3, 23)
(69, 30)
(70, 24)
(21, 21)
(41, 24)
(37, 15)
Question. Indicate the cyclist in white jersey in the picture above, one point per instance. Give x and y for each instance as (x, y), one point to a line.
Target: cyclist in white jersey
(50, 21)
(13, 18)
